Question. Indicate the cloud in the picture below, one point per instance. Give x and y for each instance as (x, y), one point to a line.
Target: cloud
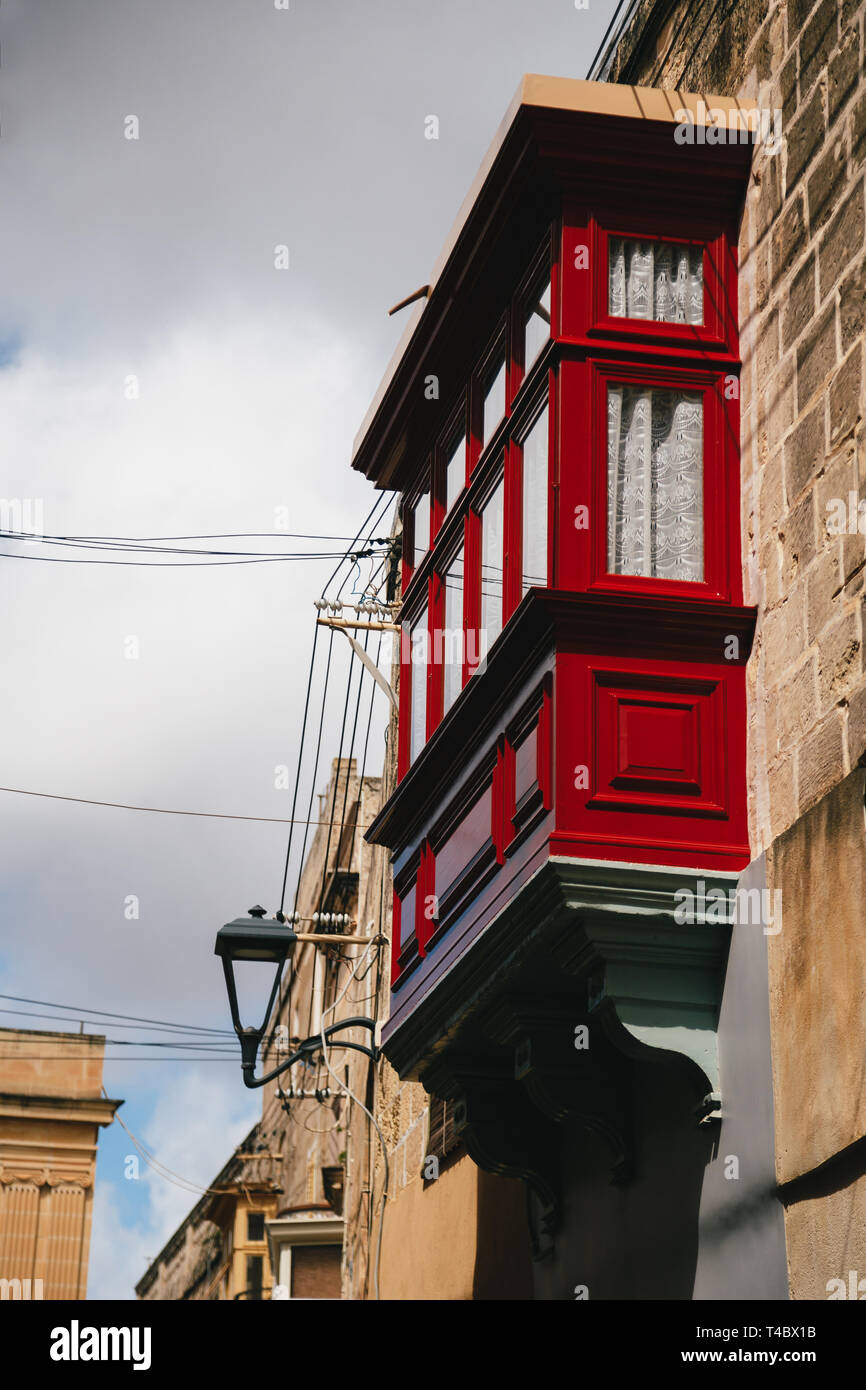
(234, 421)
(153, 259)
(196, 1124)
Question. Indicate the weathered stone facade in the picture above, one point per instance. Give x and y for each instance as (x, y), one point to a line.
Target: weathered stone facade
(51, 1108)
(802, 319)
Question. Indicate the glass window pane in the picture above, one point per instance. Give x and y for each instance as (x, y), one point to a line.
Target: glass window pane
(452, 646)
(421, 529)
(535, 505)
(418, 691)
(407, 917)
(494, 401)
(656, 280)
(655, 468)
(492, 552)
(537, 328)
(455, 473)
(254, 1276)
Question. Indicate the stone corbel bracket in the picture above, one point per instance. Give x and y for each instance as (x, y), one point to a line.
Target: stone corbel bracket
(565, 1082)
(652, 945)
(502, 1131)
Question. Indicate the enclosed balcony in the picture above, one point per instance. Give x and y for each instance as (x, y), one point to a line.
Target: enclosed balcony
(562, 420)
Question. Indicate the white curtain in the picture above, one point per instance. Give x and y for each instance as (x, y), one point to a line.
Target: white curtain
(655, 483)
(655, 280)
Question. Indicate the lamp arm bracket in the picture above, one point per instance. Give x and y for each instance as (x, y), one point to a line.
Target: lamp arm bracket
(310, 1045)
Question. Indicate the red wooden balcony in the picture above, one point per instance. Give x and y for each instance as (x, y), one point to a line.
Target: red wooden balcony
(562, 420)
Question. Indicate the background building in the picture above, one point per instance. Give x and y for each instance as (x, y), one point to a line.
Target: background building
(320, 1132)
(51, 1108)
(220, 1250)
(272, 1224)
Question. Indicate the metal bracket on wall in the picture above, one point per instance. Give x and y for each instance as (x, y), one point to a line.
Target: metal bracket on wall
(339, 625)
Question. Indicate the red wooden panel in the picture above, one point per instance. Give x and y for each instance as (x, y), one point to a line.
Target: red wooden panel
(657, 742)
(404, 943)
(470, 836)
(526, 765)
(650, 760)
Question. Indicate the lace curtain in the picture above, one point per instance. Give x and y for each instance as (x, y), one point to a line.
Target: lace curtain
(656, 280)
(655, 483)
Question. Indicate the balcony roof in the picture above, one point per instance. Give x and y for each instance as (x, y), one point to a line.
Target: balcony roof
(582, 105)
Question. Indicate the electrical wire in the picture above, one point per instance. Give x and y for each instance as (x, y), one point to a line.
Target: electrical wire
(46, 1057)
(205, 536)
(367, 520)
(145, 548)
(374, 941)
(162, 1169)
(159, 810)
(68, 1042)
(104, 1013)
(249, 558)
(601, 47)
(60, 1018)
(337, 780)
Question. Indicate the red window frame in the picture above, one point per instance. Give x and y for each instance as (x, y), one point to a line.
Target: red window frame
(543, 396)
(410, 502)
(408, 671)
(712, 333)
(498, 349)
(501, 455)
(544, 260)
(720, 479)
(458, 422)
(436, 687)
(495, 472)
(418, 876)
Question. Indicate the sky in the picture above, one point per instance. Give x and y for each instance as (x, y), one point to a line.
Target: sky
(161, 374)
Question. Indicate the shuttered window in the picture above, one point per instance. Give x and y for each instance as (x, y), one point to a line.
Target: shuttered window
(443, 1142)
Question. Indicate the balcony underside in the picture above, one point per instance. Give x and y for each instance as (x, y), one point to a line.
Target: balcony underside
(588, 969)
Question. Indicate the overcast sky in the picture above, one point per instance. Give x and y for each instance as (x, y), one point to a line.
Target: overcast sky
(153, 258)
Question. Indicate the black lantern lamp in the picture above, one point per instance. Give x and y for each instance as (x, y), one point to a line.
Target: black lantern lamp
(253, 939)
(272, 942)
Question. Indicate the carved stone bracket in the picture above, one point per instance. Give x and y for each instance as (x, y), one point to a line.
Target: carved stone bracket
(502, 1131)
(591, 967)
(654, 960)
(567, 1067)
(43, 1178)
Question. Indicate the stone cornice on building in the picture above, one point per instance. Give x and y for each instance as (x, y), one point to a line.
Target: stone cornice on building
(79, 1110)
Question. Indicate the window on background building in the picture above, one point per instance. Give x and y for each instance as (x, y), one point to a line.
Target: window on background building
(655, 280)
(255, 1266)
(536, 330)
(534, 484)
(443, 1143)
(494, 400)
(255, 1225)
(316, 1271)
(452, 637)
(655, 483)
(492, 558)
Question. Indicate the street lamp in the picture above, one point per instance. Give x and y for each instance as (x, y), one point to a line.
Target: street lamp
(272, 942)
